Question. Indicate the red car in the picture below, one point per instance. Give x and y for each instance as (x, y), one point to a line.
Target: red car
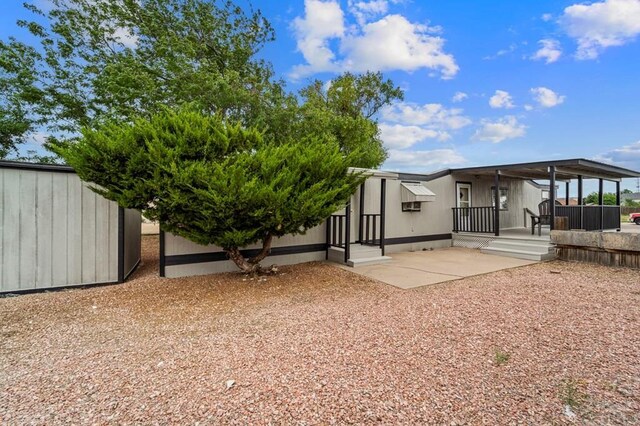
(635, 218)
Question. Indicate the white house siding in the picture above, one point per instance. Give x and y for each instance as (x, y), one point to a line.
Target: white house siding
(431, 227)
(56, 232)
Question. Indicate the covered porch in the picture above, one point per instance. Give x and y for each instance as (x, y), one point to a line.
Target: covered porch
(559, 174)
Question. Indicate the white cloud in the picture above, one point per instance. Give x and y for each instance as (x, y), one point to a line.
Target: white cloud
(546, 98)
(323, 20)
(363, 11)
(405, 124)
(528, 107)
(546, 17)
(512, 48)
(423, 160)
(550, 51)
(501, 99)
(597, 26)
(401, 136)
(625, 156)
(500, 130)
(459, 97)
(435, 116)
(390, 43)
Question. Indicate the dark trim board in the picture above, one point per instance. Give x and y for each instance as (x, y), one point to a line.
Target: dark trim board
(8, 164)
(424, 178)
(219, 256)
(417, 239)
(163, 258)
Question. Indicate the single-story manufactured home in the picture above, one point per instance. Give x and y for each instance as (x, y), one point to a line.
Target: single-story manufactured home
(499, 209)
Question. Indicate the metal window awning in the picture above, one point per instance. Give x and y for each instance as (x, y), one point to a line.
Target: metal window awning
(416, 192)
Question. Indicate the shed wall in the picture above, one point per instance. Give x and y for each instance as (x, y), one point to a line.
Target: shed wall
(56, 232)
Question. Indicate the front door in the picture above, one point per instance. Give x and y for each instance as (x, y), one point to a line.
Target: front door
(463, 198)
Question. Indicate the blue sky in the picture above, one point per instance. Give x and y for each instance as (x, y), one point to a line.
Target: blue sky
(485, 82)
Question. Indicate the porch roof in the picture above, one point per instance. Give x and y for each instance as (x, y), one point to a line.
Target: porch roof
(565, 170)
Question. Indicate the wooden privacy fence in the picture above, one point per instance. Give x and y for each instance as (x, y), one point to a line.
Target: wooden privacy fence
(56, 232)
(590, 218)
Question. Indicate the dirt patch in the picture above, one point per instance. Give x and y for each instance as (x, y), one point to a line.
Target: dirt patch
(318, 344)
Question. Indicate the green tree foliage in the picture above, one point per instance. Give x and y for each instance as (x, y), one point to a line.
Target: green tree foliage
(116, 59)
(608, 198)
(346, 110)
(213, 182)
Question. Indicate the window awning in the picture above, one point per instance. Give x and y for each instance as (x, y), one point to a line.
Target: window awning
(415, 191)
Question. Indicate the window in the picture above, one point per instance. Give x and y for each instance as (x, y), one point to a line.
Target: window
(411, 206)
(504, 198)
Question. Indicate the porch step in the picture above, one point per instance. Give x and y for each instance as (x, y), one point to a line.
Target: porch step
(354, 263)
(542, 247)
(527, 249)
(359, 255)
(519, 254)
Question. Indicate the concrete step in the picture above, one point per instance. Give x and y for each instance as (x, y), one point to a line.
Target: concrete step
(519, 254)
(535, 247)
(354, 263)
(356, 251)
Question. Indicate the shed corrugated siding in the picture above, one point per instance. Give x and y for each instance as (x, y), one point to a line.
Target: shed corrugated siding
(54, 232)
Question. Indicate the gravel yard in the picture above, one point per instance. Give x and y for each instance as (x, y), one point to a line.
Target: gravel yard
(548, 343)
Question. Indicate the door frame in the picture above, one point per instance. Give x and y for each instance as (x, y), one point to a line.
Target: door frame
(460, 184)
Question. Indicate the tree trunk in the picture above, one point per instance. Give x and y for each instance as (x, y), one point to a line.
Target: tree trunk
(252, 265)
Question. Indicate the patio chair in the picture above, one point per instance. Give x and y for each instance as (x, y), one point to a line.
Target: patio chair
(544, 217)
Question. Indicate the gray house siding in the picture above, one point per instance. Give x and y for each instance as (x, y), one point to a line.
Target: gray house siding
(428, 228)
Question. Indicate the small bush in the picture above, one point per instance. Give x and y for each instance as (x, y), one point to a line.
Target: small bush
(501, 357)
(571, 394)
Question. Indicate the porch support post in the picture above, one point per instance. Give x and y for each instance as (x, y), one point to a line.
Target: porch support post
(618, 200)
(566, 193)
(580, 195)
(600, 191)
(601, 201)
(552, 196)
(496, 210)
(347, 232)
(361, 213)
(383, 202)
(580, 202)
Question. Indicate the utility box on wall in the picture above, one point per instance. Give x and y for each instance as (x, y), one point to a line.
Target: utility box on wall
(56, 232)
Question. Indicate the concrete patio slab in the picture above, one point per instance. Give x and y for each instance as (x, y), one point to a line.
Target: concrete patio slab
(416, 269)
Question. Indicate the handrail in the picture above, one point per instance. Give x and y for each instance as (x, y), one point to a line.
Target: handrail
(474, 219)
